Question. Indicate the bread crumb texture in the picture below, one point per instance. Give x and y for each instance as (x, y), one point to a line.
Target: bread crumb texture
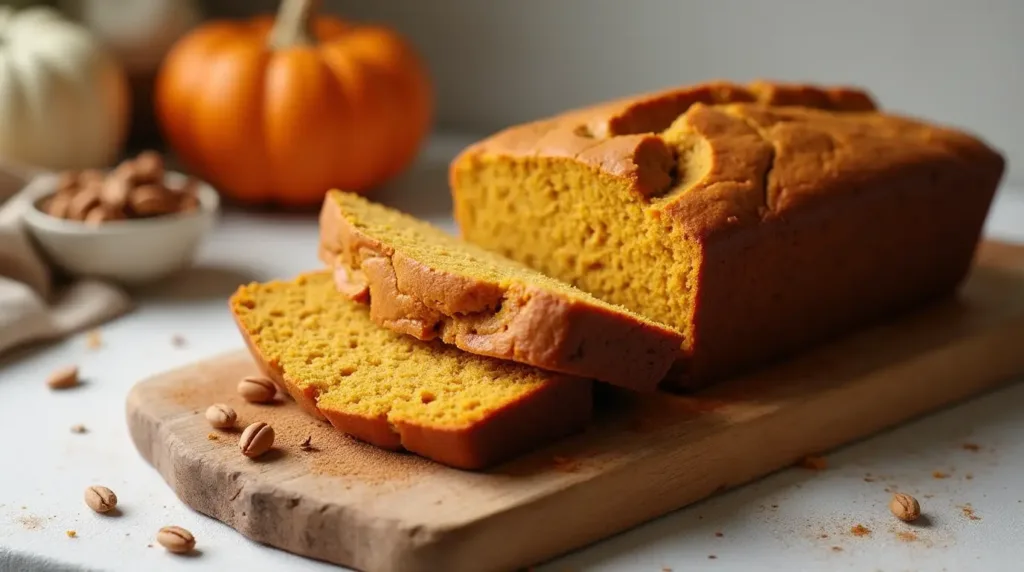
(439, 250)
(325, 343)
(430, 284)
(382, 386)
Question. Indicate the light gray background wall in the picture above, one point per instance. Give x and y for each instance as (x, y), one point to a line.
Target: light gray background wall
(498, 62)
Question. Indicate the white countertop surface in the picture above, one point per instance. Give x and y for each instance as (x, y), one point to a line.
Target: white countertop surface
(795, 519)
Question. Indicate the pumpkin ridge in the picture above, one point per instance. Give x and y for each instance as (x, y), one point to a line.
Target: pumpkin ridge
(356, 118)
(225, 133)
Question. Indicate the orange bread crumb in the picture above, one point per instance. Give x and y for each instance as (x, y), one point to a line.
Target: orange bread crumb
(394, 391)
(422, 281)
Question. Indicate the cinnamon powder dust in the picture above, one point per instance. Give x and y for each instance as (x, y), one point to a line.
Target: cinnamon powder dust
(906, 536)
(334, 454)
(860, 530)
(968, 511)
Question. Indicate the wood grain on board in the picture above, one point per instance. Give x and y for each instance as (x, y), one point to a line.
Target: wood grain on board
(645, 455)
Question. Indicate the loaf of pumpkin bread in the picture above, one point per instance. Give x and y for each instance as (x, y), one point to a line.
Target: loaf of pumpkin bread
(396, 392)
(756, 219)
(422, 281)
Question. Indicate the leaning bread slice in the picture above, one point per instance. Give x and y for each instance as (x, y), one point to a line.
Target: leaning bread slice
(396, 392)
(421, 281)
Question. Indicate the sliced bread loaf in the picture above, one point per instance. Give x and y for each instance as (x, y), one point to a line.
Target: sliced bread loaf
(758, 220)
(393, 391)
(424, 282)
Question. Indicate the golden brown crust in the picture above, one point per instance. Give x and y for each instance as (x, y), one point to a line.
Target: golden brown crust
(609, 126)
(548, 413)
(806, 211)
(760, 150)
(519, 322)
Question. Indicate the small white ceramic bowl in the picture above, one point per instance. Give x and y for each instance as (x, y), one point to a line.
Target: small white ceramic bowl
(130, 252)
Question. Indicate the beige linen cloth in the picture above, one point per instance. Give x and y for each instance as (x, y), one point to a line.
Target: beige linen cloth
(32, 306)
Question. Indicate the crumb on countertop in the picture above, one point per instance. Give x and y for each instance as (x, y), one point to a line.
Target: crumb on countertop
(968, 511)
(78, 428)
(860, 530)
(906, 536)
(93, 339)
(212, 436)
(972, 447)
(72, 533)
(940, 475)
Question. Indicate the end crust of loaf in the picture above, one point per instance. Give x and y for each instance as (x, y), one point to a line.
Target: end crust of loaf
(551, 411)
(518, 321)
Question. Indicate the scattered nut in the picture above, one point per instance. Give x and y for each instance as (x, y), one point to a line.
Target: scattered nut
(151, 200)
(93, 339)
(176, 539)
(90, 177)
(905, 507)
(63, 378)
(100, 214)
(79, 428)
(58, 205)
(82, 202)
(149, 167)
(100, 499)
(221, 416)
(67, 180)
(257, 389)
(114, 193)
(256, 439)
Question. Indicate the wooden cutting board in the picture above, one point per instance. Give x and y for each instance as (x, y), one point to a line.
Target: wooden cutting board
(644, 456)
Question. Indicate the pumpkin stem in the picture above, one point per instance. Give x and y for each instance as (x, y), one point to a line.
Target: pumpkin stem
(293, 25)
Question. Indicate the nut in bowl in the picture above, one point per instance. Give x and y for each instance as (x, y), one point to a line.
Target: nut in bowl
(132, 225)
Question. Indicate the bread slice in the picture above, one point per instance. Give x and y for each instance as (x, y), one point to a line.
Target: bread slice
(758, 220)
(393, 391)
(424, 282)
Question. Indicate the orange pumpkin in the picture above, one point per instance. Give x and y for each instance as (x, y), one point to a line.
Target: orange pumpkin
(282, 110)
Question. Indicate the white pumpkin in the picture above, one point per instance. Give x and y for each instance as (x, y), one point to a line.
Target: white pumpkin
(64, 100)
(139, 32)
